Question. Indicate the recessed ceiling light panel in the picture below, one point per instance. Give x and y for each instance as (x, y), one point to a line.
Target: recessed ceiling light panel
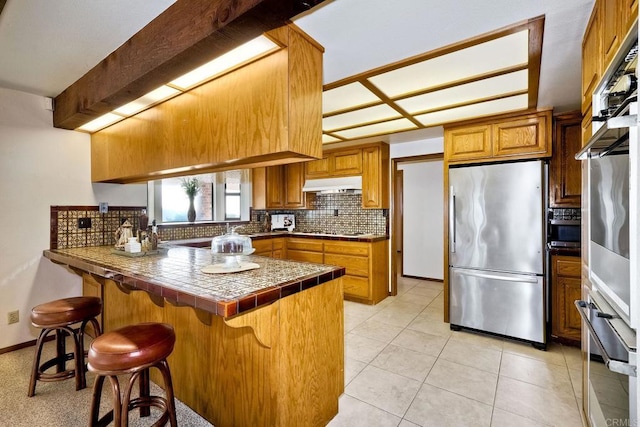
(359, 117)
(377, 129)
(347, 96)
(467, 93)
(487, 108)
(328, 138)
(507, 51)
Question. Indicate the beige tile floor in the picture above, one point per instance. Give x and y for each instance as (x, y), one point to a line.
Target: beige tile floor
(405, 367)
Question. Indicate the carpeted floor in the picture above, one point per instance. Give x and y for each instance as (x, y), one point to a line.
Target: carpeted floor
(58, 403)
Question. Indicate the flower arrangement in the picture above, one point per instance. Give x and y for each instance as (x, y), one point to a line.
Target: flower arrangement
(191, 186)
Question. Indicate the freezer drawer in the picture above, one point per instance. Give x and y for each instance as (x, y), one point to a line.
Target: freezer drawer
(501, 303)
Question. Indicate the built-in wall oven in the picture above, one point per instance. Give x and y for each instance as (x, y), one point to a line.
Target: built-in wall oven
(610, 310)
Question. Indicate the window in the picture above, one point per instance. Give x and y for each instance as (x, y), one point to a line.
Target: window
(222, 196)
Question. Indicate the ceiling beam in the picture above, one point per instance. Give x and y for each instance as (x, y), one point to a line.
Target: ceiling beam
(186, 35)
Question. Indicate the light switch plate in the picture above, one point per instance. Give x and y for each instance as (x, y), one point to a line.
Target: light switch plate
(103, 207)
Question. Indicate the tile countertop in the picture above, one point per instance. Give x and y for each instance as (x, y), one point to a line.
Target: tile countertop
(176, 276)
(206, 241)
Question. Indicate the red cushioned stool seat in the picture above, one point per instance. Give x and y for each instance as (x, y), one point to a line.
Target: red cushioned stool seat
(132, 350)
(59, 316)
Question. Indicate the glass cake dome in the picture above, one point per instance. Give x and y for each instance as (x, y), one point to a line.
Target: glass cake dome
(232, 245)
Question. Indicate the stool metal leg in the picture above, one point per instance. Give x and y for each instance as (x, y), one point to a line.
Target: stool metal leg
(145, 391)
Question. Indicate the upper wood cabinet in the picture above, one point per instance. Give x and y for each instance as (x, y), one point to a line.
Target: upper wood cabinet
(375, 176)
(565, 172)
(263, 113)
(519, 137)
(370, 161)
(591, 58)
(335, 163)
(278, 187)
(608, 26)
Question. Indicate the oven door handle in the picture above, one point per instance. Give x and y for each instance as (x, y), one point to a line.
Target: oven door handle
(613, 365)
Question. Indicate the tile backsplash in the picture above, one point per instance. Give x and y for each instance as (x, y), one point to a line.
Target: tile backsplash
(328, 213)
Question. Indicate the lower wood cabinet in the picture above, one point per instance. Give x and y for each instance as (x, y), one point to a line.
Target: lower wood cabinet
(305, 250)
(565, 289)
(273, 248)
(366, 264)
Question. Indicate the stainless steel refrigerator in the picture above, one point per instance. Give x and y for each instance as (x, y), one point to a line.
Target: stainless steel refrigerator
(496, 249)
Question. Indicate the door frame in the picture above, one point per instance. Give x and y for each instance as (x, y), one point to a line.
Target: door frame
(397, 211)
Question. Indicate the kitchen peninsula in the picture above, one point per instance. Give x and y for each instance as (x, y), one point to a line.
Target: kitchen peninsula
(259, 347)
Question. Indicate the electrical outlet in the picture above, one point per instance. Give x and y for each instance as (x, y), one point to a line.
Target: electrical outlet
(84, 222)
(13, 317)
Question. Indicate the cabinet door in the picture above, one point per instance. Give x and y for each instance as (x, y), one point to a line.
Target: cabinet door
(630, 14)
(317, 168)
(305, 256)
(354, 265)
(262, 247)
(565, 173)
(587, 130)
(356, 286)
(293, 183)
(275, 193)
(591, 59)
(518, 137)
(467, 143)
(611, 16)
(346, 163)
(313, 245)
(566, 288)
(347, 248)
(373, 182)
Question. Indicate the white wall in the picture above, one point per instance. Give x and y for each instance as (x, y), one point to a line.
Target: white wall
(40, 166)
(423, 224)
(417, 148)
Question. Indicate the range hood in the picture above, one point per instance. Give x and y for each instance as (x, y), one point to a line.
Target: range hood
(347, 184)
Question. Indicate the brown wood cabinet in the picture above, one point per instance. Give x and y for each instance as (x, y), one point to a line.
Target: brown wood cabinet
(375, 176)
(273, 248)
(608, 26)
(306, 250)
(335, 163)
(264, 113)
(370, 161)
(516, 137)
(278, 187)
(565, 289)
(565, 172)
(367, 264)
(591, 58)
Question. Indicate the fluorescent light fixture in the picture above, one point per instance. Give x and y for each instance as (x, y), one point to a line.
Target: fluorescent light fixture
(487, 88)
(250, 50)
(481, 109)
(347, 96)
(328, 138)
(508, 51)
(377, 129)
(359, 117)
(145, 101)
(101, 122)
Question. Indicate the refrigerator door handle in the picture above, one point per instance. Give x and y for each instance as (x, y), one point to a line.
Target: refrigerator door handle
(452, 220)
(510, 278)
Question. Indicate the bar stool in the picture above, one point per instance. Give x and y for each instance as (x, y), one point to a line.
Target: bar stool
(132, 350)
(59, 316)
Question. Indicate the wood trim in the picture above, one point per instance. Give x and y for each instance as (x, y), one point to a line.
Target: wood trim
(427, 279)
(536, 30)
(186, 35)
(380, 94)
